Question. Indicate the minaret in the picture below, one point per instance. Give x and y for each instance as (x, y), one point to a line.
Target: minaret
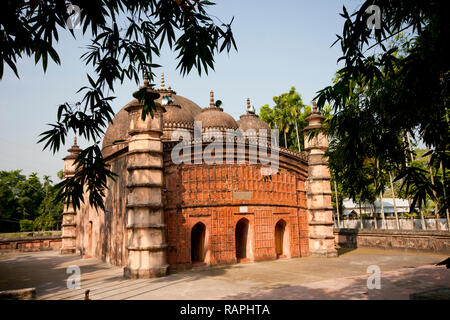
(147, 244)
(69, 223)
(318, 189)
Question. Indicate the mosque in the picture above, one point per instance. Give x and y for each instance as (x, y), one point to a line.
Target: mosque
(215, 206)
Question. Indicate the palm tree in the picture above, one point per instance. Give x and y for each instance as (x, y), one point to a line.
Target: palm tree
(394, 201)
(282, 121)
(294, 112)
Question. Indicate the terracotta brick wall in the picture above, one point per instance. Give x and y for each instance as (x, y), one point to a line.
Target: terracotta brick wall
(31, 244)
(221, 195)
(218, 196)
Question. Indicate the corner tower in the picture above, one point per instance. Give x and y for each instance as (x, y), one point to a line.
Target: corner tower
(318, 189)
(146, 242)
(69, 224)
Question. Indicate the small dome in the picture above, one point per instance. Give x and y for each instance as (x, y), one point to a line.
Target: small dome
(185, 103)
(116, 135)
(214, 118)
(251, 121)
(176, 118)
(176, 115)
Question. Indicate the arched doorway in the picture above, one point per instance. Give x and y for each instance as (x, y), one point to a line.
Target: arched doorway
(198, 243)
(241, 239)
(280, 229)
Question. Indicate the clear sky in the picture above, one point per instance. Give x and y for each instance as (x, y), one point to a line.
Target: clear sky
(280, 44)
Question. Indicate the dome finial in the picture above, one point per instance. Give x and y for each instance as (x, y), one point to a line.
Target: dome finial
(250, 108)
(314, 106)
(163, 85)
(211, 100)
(75, 140)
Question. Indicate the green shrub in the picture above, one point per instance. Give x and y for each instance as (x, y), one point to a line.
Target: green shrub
(26, 225)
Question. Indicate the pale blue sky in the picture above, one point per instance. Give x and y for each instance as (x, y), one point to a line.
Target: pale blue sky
(280, 44)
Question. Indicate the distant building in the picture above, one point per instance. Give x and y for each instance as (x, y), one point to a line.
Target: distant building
(388, 206)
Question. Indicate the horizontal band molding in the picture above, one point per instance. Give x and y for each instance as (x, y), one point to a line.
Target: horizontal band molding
(145, 185)
(320, 237)
(146, 226)
(149, 151)
(140, 131)
(148, 248)
(317, 163)
(232, 205)
(130, 168)
(319, 194)
(318, 178)
(321, 209)
(154, 205)
(320, 223)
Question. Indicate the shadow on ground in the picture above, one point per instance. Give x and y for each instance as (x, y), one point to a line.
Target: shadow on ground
(343, 277)
(395, 285)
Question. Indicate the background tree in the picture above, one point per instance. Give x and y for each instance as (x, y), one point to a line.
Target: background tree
(27, 204)
(399, 93)
(9, 204)
(289, 116)
(126, 37)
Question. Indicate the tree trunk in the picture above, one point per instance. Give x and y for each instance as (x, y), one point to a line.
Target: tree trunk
(412, 214)
(410, 146)
(383, 219)
(445, 193)
(422, 220)
(374, 208)
(436, 203)
(407, 164)
(337, 204)
(298, 136)
(285, 139)
(395, 202)
(360, 216)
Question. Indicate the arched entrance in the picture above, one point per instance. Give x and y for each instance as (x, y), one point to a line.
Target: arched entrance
(198, 243)
(241, 239)
(280, 230)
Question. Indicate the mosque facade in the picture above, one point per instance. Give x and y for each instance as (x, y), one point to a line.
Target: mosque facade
(196, 188)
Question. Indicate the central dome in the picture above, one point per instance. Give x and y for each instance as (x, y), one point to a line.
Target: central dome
(214, 118)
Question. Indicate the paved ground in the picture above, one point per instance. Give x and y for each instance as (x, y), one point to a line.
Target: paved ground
(344, 277)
